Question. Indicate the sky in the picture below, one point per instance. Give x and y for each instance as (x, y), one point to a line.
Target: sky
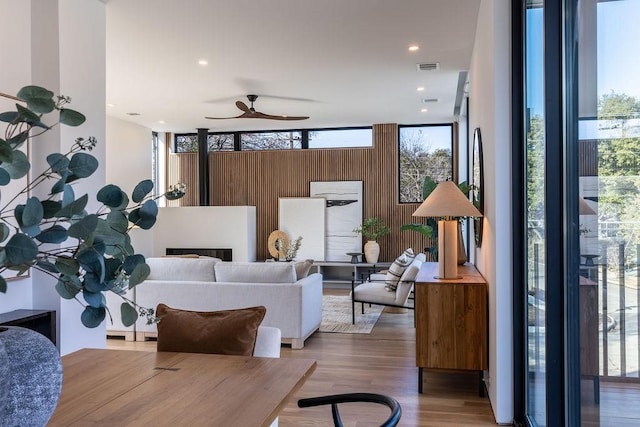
(618, 60)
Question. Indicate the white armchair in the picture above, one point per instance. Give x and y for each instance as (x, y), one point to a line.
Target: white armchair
(374, 290)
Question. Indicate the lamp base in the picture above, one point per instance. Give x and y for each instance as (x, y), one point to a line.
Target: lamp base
(448, 249)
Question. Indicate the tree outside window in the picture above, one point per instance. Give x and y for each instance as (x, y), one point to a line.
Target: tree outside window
(425, 151)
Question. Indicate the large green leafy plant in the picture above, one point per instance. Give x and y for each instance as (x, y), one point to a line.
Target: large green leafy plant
(88, 253)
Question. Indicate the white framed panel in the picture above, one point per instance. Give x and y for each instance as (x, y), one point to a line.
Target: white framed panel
(343, 215)
(303, 216)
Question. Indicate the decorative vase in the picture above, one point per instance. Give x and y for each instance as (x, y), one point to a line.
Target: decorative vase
(371, 251)
(30, 377)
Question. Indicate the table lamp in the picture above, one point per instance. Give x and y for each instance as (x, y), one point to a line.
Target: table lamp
(448, 203)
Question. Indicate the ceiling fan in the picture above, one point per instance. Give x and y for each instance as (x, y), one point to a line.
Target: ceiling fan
(251, 113)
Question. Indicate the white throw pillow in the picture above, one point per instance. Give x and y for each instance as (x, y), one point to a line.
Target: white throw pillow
(397, 269)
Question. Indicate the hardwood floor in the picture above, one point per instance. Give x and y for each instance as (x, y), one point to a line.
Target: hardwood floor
(381, 362)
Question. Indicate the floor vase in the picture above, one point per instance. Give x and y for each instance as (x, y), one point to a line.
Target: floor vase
(30, 377)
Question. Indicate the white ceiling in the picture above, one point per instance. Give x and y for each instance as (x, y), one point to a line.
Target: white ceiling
(341, 62)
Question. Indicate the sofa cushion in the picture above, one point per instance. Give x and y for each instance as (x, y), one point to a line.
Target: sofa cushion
(303, 268)
(397, 269)
(182, 269)
(255, 272)
(216, 332)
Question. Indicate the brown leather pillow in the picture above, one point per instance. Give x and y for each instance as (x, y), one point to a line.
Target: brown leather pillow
(217, 332)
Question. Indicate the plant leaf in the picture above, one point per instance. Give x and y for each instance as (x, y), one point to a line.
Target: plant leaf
(9, 116)
(37, 98)
(4, 231)
(118, 221)
(20, 249)
(131, 262)
(19, 165)
(74, 208)
(142, 189)
(58, 162)
(5, 178)
(128, 314)
(92, 317)
(68, 286)
(67, 266)
(145, 216)
(50, 207)
(139, 274)
(111, 195)
(83, 165)
(71, 117)
(6, 152)
(46, 265)
(84, 228)
(54, 234)
(26, 115)
(33, 212)
(94, 299)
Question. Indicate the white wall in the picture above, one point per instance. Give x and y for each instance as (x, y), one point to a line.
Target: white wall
(207, 227)
(490, 110)
(15, 73)
(128, 153)
(58, 44)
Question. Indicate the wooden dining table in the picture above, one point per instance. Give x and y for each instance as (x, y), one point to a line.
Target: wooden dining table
(138, 388)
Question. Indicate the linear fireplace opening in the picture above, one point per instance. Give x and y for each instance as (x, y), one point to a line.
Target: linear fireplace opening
(224, 254)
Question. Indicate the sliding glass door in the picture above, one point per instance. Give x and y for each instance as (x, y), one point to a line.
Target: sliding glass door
(578, 318)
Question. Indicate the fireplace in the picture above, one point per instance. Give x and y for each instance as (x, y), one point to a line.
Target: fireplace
(223, 254)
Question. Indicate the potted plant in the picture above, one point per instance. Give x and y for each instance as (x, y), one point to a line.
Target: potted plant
(88, 253)
(372, 229)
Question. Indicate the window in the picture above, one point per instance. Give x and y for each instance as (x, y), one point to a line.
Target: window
(425, 151)
(284, 140)
(187, 143)
(220, 142)
(155, 165)
(341, 138)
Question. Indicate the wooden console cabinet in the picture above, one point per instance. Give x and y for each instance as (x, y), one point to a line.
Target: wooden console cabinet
(451, 322)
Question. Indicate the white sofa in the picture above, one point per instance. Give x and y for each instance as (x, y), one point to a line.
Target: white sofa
(207, 284)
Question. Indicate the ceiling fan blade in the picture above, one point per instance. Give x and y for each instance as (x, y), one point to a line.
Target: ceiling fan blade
(259, 115)
(243, 107)
(226, 118)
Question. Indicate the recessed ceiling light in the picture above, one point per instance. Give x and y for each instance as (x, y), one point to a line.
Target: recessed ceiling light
(111, 105)
(424, 110)
(160, 121)
(133, 114)
(203, 62)
(413, 48)
(420, 88)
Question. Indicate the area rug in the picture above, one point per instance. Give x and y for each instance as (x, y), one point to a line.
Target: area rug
(336, 316)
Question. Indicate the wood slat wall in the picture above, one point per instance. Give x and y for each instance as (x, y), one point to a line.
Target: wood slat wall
(259, 178)
(183, 167)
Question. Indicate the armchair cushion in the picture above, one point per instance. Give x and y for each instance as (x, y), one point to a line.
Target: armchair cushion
(217, 332)
(397, 269)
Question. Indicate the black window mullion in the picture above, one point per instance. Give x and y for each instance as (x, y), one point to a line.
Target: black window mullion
(555, 277)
